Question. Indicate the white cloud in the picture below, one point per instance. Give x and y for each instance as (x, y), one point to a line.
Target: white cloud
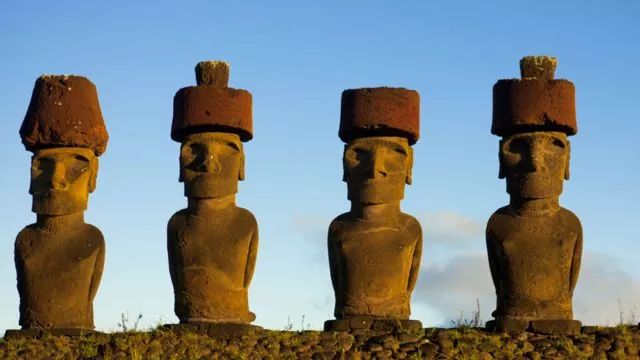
(450, 229)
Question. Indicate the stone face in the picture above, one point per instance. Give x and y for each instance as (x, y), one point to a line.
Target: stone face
(211, 164)
(212, 244)
(64, 112)
(61, 180)
(380, 111)
(534, 245)
(375, 249)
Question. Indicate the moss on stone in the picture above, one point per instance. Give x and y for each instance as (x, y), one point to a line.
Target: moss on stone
(462, 343)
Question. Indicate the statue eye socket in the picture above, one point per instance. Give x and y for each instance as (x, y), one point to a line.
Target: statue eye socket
(194, 149)
(43, 163)
(81, 158)
(517, 145)
(400, 151)
(559, 143)
(233, 146)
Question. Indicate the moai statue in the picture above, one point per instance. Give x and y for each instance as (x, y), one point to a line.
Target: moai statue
(213, 243)
(534, 245)
(59, 259)
(375, 248)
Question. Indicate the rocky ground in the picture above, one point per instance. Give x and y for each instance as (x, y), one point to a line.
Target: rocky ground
(620, 342)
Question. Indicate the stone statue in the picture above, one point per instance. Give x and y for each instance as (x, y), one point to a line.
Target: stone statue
(213, 243)
(534, 245)
(59, 259)
(375, 248)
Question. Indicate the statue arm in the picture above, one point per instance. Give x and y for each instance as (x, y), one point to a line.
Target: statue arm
(171, 241)
(98, 268)
(493, 257)
(494, 267)
(334, 260)
(415, 265)
(20, 282)
(251, 258)
(575, 262)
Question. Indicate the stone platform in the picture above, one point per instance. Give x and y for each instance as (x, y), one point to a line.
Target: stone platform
(364, 323)
(547, 327)
(216, 330)
(38, 333)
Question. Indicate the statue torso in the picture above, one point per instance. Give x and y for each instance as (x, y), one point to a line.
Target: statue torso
(209, 255)
(534, 256)
(55, 275)
(373, 261)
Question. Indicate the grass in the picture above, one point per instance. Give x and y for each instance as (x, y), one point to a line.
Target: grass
(465, 333)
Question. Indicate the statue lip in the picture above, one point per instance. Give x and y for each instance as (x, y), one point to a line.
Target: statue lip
(49, 193)
(376, 181)
(531, 176)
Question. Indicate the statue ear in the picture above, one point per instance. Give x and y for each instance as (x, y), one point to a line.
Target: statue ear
(566, 165)
(241, 167)
(181, 176)
(502, 173)
(344, 164)
(409, 179)
(93, 179)
(33, 157)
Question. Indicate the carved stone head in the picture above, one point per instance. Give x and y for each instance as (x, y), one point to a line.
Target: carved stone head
(535, 163)
(61, 180)
(211, 164)
(377, 168)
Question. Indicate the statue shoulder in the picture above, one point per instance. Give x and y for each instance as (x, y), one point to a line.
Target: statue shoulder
(339, 222)
(246, 217)
(178, 218)
(498, 218)
(93, 235)
(569, 217)
(411, 223)
(25, 238)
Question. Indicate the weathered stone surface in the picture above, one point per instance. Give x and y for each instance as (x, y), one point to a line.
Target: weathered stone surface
(538, 67)
(59, 259)
(362, 323)
(214, 73)
(212, 244)
(382, 111)
(64, 112)
(375, 249)
(507, 325)
(534, 245)
(536, 102)
(212, 106)
(556, 326)
(221, 330)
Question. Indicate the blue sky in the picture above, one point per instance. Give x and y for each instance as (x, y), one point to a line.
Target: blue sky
(296, 57)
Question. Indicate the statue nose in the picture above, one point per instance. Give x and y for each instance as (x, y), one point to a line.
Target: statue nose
(209, 164)
(376, 167)
(58, 181)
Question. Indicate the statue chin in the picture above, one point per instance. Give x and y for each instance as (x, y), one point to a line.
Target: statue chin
(534, 187)
(375, 193)
(210, 187)
(58, 204)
